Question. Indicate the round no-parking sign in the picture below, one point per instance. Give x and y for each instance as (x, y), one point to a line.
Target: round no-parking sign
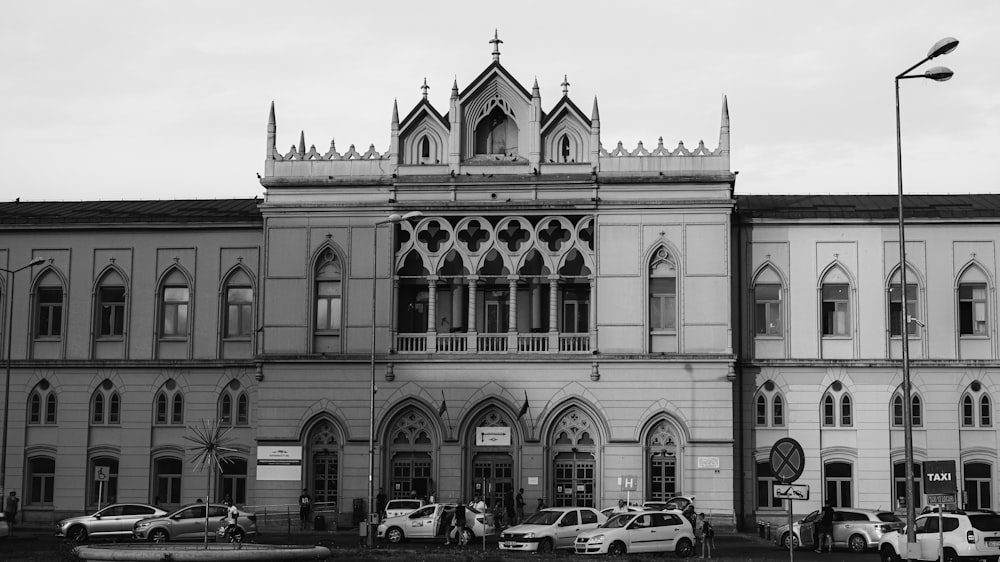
(787, 460)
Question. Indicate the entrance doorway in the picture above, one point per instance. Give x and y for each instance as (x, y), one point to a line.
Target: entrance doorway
(493, 478)
(574, 479)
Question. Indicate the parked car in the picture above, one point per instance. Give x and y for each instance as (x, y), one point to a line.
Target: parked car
(968, 535)
(115, 520)
(395, 508)
(644, 531)
(853, 528)
(551, 528)
(610, 511)
(188, 522)
(679, 503)
(432, 521)
(4, 526)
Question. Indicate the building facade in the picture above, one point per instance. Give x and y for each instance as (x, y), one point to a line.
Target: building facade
(534, 311)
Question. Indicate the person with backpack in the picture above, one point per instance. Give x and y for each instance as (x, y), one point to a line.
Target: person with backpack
(705, 534)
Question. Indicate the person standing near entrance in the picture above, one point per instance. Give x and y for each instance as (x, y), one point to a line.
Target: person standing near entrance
(10, 510)
(305, 506)
(825, 529)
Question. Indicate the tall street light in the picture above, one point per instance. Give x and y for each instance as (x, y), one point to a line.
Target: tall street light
(9, 302)
(391, 219)
(939, 74)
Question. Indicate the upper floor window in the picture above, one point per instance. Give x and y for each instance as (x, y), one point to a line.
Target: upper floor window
(837, 409)
(836, 309)
(425, 147)
(234, 406)
(662, 292)
(42, 405)
(105, 405)
(972, 309)
(769, 407)
(896, 309)
(977, 409)
(168, 406)
(916, 411)
(175, 306)
(328, 292)
(111, 306)
(767, 309)
(49, 306)
(239, 305)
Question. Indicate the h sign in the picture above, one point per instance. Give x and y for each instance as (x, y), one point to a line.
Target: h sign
(940, 477)
(628, 483)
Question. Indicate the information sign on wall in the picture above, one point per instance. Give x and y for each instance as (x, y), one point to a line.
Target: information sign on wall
(282, 462)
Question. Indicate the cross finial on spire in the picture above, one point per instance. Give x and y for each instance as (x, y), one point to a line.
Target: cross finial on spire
(496, 46)
(425, 87)
(565, 85)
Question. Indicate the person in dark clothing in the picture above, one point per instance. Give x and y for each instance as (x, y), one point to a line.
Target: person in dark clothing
(519, 506)
(305, 506)
(457, 525)
(825, 529)
(380, 501)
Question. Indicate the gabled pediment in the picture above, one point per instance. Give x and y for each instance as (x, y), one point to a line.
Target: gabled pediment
(423, 136)
(566, 134)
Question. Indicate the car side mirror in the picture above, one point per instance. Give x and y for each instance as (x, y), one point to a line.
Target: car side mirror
(96, 516)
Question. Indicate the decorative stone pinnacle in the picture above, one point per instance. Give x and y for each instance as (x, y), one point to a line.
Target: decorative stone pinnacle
(496, 46)
(565, 85)
(425, 87)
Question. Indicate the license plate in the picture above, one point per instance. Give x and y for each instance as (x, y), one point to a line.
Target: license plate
(509, 544)
(994, 541)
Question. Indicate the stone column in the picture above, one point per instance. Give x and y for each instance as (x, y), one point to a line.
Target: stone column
(592, 322)
(554, 313)
(536, 305)
(473, 336)
(432, 313)
(512, 314)
(457, 320)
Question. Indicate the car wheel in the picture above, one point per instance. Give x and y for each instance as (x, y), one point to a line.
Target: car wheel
(545, 546)
(159, 535)
(887, 554)
(617, 548)
(77, 534)
(684, 548)
(466, 537)
(857, 543)
(394, 534)
(950, 555)
(786, 537)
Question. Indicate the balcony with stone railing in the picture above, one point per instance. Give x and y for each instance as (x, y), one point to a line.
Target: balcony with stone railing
(491, 343)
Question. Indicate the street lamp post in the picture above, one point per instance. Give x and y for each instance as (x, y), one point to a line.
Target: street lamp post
(939, 74)
(6, 384)
(391, 219)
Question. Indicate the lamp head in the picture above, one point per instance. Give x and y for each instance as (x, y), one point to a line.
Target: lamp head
(36, 261)
(942, 47)
(412, 215)
(939, 73)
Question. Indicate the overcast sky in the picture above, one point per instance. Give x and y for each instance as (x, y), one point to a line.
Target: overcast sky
(158, 100)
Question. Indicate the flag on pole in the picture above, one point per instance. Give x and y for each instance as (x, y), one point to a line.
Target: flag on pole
(444, 405)
(524, 407)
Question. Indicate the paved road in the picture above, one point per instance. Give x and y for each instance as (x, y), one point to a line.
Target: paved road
(39, 544)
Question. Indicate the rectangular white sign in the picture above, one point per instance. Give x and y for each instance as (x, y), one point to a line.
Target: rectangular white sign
(708, 462)
(283, 462)
(493, 436)
(791, 491)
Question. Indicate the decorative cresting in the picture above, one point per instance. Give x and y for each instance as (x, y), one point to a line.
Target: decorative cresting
(411, 428)
(574, 428)
(662, 440)
(323, 436)
(499, 245)
(492, 417)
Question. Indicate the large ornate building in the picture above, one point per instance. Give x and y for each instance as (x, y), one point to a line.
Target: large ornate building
(535, 310)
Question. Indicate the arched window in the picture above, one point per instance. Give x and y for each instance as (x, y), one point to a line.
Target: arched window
(105, 405)
(897, 411)
(829, 413)
(234, 406)
(662, 292)
(778, 411)
(168, 406)
(175, 306)
(838, 480)
(42, 404)
(50, 408)
(769, 406)
(896, 306)
(761, 409)
(239, 306)
(767, 300)
(114, 409)
(836, 304)
(916, 412)
(976, 407)
(985, 411)
(564, 150)
(49, 307)
(846, 412)
(111, 306)
(425, 147)
(973, 304)
(968, 412)
(167, 473)
(328, 292)
(97, 410)
(35, 408)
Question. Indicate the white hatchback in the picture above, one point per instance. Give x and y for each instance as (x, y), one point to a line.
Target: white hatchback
(645, 531)
(550, 528)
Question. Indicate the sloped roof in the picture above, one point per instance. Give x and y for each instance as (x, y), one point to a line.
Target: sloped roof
(868, 206)
(131, 212)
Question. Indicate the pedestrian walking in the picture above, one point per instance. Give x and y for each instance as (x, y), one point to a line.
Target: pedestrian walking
(457, 526)
(519, 506)
(10, 510)
(305, 506)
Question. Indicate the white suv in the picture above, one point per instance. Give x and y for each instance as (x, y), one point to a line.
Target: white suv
(967, 534)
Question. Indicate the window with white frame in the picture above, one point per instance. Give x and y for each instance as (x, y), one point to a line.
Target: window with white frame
(662, 292)
(838, 481)
(976, 407)
(896, 309)
(43, 406)
(765, 487)
(328, 292)
(916, 411)
(899, 484)
(239, 306)
(769, 406)
(175, 306)
(836, 407)
(972, 309)
(767, 309)
(168, 405)
(836, 309)
(234, 405)
(49, 307)
(105, 405)
(41, 481)
(111, 306)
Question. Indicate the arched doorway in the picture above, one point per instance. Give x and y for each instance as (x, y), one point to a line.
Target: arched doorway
(574, 467)
(492, 465)
(662, 466)
(410, 444)
(324, 462)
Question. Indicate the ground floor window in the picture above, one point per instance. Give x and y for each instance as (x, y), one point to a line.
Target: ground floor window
(662, 462)
(899, 484)
(765, 487)
(411, 475)
(837, 479)
(233, 481)
(167, 477)
(324, 462)
(978, 486)
(42, 480)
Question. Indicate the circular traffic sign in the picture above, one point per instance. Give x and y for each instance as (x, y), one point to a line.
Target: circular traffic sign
(787, 460)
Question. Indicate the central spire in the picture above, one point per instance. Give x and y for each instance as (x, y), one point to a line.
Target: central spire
(496, 46)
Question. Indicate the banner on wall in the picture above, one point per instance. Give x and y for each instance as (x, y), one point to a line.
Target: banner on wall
(279, 462)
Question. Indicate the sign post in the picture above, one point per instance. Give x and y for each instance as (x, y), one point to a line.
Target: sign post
(940, 485)
(101, 476)
(787, 463)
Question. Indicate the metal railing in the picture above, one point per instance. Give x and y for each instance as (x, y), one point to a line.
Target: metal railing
(285, 516)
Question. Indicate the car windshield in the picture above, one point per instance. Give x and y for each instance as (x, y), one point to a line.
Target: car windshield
(544, 517)
(985, 521)
(887, 517)
(617, 521)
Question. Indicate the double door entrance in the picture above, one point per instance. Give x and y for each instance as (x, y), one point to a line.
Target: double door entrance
(493, 478)
(574, 479)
